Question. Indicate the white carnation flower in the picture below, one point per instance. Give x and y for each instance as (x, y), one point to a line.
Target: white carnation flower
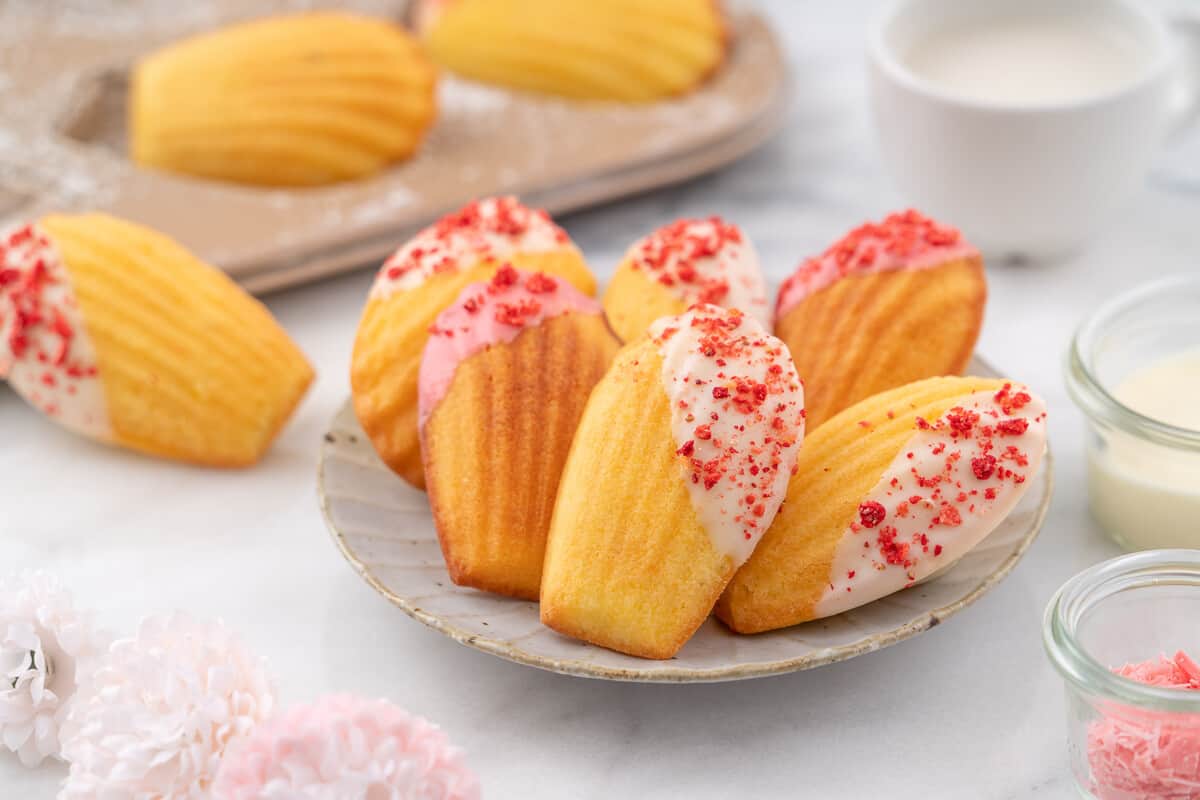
(159, 712)
(46, 646)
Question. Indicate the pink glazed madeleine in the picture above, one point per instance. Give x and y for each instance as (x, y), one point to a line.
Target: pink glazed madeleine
(890, 303)
(504, 379)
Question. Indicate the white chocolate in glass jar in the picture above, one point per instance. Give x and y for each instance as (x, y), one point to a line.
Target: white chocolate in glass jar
(1145, 494)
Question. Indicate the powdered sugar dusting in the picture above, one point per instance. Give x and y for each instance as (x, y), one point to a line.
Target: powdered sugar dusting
(466, 96)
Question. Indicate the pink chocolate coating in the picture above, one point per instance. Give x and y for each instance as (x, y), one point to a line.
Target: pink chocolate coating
(489, 313)
(904, 240)
(1139, 754)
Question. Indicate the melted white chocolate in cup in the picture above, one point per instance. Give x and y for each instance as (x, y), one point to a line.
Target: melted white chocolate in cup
(1034, 60)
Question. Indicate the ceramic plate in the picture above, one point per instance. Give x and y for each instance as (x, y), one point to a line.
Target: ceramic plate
(386, 532)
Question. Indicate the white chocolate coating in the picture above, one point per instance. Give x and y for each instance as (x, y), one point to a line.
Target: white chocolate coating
(946, 490)
(45, 352)
(705, 261)
(493, 228)
(737, 419)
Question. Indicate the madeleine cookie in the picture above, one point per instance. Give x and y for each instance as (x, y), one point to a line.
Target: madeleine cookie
(621, 50)
(504, 379)
(415, 284)
(886, 493)
(680, 462)
(118, 333)
(687, 262)
(899, 300)
(285, 101)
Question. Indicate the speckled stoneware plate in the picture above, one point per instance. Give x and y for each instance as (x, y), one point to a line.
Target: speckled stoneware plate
(385, 530)
(64, 70)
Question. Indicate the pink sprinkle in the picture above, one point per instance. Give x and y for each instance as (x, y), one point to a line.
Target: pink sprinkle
(1135, 753)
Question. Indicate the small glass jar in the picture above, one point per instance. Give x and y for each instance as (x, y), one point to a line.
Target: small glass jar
(1143, 474)
(1128, 739)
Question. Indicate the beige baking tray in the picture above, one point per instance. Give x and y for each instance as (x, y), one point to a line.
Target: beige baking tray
(63, 74)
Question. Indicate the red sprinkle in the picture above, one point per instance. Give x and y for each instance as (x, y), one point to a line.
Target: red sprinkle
(893, 552)
(1012, 427)
(39, 325)
(505, 277)
(902, 236)
(984, 466)
(540, 283)
(517, 314)
(673, 255)
(470, 230)
(871, 513)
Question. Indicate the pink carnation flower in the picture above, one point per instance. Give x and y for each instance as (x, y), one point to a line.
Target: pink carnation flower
(345, 747)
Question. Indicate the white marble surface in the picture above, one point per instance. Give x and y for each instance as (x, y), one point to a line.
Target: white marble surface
(970, 709)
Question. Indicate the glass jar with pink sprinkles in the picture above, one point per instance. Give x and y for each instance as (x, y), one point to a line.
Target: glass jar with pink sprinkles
(1125, 635)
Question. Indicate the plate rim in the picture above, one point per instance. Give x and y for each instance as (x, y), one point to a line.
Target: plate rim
(668, 674)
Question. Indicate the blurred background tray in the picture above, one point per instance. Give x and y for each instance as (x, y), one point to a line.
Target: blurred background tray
(63, 75)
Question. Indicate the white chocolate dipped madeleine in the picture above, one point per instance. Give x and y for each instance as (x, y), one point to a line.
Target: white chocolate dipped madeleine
(679, 465)
(687, 262)
(119, 334)
(888, 492)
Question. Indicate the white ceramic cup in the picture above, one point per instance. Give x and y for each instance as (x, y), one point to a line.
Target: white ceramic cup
(1034, 180)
